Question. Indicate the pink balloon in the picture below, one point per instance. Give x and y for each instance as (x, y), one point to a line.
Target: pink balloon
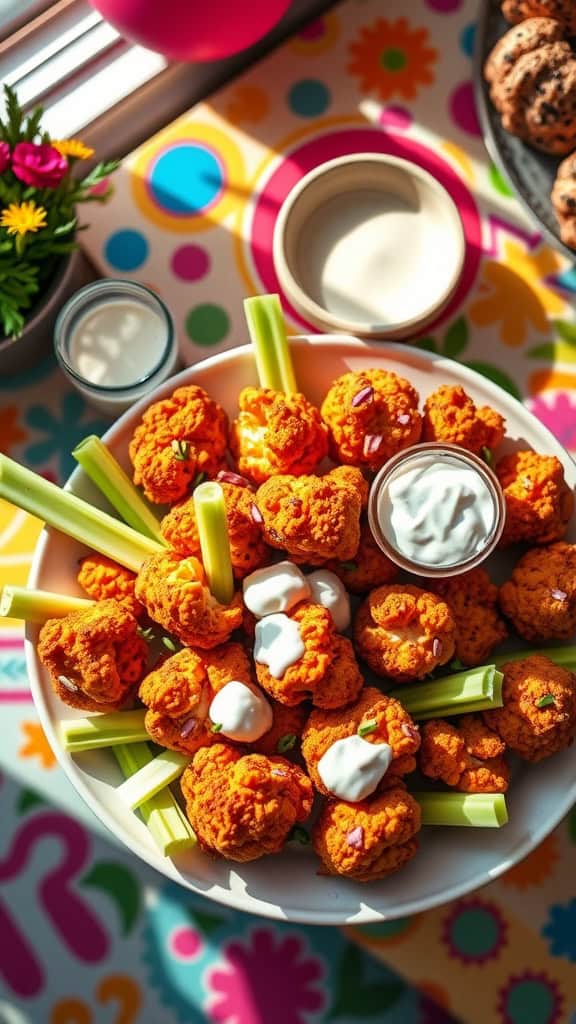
(193, 30)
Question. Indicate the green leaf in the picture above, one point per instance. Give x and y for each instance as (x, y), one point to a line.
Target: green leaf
(566, 330)
(28, 799)
(121, 886)
(355, 998)
(428, 344)
(207, 923)
(497, 376)
(556, 351)
(456, 338)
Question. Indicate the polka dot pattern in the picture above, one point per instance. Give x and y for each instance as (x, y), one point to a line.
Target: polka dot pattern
(190, 263)
(207, 324)
(463, 109)
(186, 179)
(126, 250)
(309, 98)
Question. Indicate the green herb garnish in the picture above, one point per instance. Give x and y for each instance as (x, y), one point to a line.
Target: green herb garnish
(546, 701)
(169, 644)
(349, 566)
(216, 727)
(198, 479)
(487, 455)
(367, 727)
(146, 634)
(181, 450)
(285, 743)
(298, 834)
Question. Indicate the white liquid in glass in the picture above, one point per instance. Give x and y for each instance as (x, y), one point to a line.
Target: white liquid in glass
(117, 343)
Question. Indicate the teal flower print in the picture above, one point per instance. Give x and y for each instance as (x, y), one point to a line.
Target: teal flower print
(62, 432)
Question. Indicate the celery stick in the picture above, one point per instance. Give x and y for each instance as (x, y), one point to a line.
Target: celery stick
(481, 810)
(103, 730)
(565, 656)
(38, 605)
(268, 335)
(491, 698)
(459, 689)
(168, 825)
(101, 466)
(214, 540)
(73, 516)
(152, 777)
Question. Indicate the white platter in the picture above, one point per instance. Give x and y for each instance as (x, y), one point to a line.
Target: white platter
(450, 862)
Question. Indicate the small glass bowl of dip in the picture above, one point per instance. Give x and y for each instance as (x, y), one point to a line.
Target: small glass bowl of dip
(436, 510)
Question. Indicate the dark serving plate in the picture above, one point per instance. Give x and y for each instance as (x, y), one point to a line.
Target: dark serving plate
(530, 173)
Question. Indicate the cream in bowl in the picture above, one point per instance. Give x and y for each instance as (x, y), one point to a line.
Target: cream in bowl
(369, 244)
(436, 510)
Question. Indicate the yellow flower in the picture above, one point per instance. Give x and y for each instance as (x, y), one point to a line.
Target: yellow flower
(20, 218)
(73, 148)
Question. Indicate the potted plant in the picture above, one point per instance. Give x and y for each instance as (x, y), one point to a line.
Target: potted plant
(40, 190)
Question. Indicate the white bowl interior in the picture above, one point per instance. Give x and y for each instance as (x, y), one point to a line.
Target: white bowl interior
(451, 862)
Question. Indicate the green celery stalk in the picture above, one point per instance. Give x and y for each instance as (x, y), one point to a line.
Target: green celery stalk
(212, 527)
(459, 689)
(102, 730)
(268, 336)
(73, 516)
(159, 772)
(101, 466)
(38, 605)
(491, 698)
(167, 823)
(480, 810)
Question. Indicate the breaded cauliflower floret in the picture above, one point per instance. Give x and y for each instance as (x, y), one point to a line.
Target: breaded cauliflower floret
(538, 717)
(327, 673)
(469, 755)
(388, 723)
(369, 568)
(178, 694)
(371, 415)
(243, 807)
(277, 433)
(539, 502)
(473, 601)
(287, 726)
(175, 594)
(540, 597)
(368, 840)
(314, 518)
(404, 632)
(102, 578)
(177, 438)
(451, 417)
(248, 551)
(95, 657)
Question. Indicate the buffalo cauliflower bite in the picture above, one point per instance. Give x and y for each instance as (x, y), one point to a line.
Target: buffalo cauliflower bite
(95, 657)
(248, 551)
(404, 632)
(369, 840)
(371, 415)
(469, 755)
(538, 716)
(102, 578)
(472, 599)
(287, 726)
(539, 502)
(313, 518)
(243, 806)
(386, 720)
(327, 673)
(369, 568)
(451, 417)
(178, 694)
(177, 438)
(175, 594)
(540, 597)
(277, 433)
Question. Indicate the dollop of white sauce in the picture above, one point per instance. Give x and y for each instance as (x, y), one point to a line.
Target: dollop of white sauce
(330, 592)
(437, 510)
(278, 643)
(352, 768)
(242, 714)
(276, 588)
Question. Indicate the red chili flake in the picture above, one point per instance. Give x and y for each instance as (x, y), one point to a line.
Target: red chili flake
(224, 476)
(363, 396)
(558, 595)
(372, 443)
(355, 838)
(403, 418)
(256, 514)
(188, 727)
(410, 730)
(436, 647)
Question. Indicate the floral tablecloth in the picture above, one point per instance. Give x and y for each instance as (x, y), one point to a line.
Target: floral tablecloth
(86, 933)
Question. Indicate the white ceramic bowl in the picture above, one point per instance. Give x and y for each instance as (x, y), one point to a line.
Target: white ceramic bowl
(451, 862)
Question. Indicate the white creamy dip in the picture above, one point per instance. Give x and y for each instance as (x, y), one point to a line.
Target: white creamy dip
(276, 588)
(330, 592)
(352, 768)
(437, 510)
(278, 643)
(241, 714)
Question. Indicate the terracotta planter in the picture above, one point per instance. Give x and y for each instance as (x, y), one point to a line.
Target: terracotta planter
(36, 340)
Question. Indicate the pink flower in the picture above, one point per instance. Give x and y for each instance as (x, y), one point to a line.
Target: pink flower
(41, 166)
(271, 978)
(4, 156)
(559, 415)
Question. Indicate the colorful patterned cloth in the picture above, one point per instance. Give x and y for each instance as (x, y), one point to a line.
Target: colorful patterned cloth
(88, 934)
